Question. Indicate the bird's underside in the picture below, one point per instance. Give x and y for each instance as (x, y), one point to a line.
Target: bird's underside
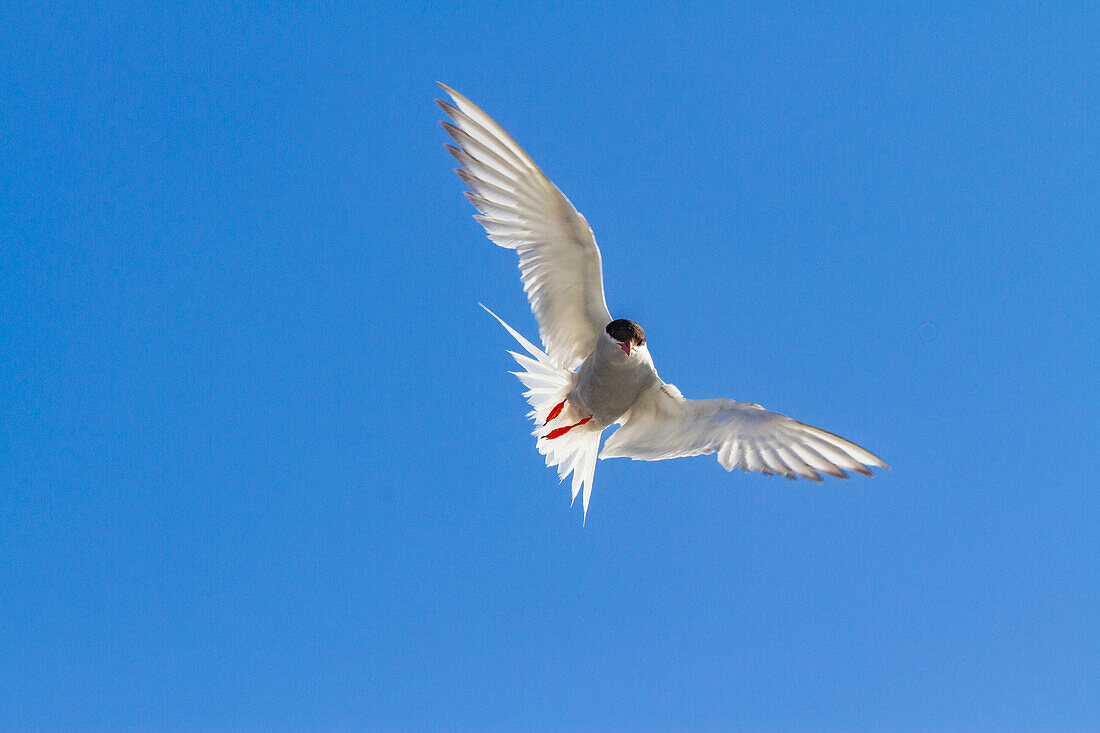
(596, 371)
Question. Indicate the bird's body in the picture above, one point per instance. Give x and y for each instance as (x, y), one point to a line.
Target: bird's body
(597, 371)
(609, 382)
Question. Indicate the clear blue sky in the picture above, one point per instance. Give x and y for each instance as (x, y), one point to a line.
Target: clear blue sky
(262, 462)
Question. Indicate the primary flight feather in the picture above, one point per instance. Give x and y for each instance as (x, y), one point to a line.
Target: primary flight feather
(596, 371)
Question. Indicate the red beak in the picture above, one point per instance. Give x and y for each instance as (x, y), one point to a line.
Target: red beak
(625, 346)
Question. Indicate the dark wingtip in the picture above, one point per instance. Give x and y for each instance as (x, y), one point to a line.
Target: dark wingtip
(451, 110)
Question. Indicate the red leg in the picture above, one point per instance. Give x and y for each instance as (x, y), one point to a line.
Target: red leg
(558, 432)
(555, 412)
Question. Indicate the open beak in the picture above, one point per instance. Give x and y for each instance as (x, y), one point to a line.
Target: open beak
(625, 346)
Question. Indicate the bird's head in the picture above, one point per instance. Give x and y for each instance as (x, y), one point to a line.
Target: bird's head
(627, 335)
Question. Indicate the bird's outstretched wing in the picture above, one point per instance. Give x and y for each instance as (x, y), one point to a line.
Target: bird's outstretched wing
(522, 209)
(663, 424)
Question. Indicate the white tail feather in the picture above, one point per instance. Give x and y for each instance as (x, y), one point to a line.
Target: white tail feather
(547, 386)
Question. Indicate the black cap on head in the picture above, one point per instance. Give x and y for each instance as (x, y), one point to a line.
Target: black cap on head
(623, 330)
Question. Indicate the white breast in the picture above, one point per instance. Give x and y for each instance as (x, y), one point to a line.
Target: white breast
(608, 383)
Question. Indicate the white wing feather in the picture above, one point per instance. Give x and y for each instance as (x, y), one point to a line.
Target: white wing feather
(522, 209)
(663, 424)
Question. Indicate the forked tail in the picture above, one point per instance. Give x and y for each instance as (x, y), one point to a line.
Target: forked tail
(572, 451)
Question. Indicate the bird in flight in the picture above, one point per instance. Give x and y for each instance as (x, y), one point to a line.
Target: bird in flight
(596, 370)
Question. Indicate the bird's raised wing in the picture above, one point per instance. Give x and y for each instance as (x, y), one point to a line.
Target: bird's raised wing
(522, 209)
(663, 424)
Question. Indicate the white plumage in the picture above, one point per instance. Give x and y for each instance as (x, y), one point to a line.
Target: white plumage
(596, 371)
(522, 209)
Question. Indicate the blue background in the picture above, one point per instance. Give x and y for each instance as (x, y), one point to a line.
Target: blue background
(263, 465)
